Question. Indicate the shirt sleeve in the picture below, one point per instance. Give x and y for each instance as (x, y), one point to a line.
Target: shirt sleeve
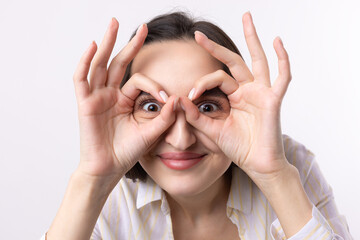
(96, 233)
(316, 228)
(326, 221)
(94, 236)
(43, 237)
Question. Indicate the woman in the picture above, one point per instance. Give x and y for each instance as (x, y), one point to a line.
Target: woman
(197, 135)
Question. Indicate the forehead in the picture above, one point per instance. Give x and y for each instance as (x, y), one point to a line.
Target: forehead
(175, 64)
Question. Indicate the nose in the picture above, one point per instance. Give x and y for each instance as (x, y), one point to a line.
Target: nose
(180, 135)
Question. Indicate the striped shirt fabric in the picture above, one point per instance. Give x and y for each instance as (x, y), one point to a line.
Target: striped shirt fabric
(140, 210)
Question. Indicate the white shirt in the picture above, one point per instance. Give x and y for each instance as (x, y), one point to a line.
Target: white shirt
(140, 210)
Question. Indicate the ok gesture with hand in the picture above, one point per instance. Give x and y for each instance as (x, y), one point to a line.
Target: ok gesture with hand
(111, 140)
(251, 134)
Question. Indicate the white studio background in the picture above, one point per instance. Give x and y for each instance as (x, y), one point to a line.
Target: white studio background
(42, 41)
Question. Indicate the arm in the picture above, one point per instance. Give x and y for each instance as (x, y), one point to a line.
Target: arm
(111, 141)
(289, 200)
(321, 194)
(251, 135)
(253, 127)
(326, 222)
(84, 198)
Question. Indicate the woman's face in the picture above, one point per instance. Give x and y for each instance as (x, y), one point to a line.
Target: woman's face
(176, 65)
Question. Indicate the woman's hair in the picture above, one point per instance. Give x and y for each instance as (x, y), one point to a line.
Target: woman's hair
(177, 26)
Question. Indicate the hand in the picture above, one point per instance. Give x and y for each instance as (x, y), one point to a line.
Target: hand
(251, 135)
(111, 141)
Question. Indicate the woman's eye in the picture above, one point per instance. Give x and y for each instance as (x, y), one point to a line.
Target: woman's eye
(151, 107)
(208, 107)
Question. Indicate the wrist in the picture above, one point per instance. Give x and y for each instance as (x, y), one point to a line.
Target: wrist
(269, 183)
(84, 198)
(287, 196)
(100, 186)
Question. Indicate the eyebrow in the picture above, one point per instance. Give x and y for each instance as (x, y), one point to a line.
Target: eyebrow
(214, 92)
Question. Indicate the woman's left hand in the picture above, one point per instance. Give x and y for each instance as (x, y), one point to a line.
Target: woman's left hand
(251, 135)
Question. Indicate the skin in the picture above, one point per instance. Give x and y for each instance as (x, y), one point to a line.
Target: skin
(194, 195)
(113, 138)
(158, 61)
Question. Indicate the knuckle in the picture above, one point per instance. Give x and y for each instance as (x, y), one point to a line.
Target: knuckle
(231, 63)
(221, 74)
(198, 83)
(134, 47)
(75, 77)
(122, 62)
(98, 63)
(136, 76)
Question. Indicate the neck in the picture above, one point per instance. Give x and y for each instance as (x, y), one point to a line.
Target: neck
(203, 204)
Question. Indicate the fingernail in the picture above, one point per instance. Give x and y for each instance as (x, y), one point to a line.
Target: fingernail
(200, 33)
(191, 94)
(250, 16)
(111, 22)
(163, 96)
(141, 27)
(175, 103)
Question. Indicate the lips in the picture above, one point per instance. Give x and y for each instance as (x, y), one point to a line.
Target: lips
(180, 160)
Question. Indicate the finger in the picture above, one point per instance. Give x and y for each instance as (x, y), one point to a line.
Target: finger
(153, 129)
(118, 65)
(219, 78)
(200, 121)
(80, 76)
(283, 80)
(98, 72)
(260, 68)
(232, 60)
(138, 83)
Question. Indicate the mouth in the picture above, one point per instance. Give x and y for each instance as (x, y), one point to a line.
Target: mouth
(180, 160)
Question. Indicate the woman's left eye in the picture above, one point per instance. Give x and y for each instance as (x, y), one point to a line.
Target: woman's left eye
(151, 107)
(208, 107)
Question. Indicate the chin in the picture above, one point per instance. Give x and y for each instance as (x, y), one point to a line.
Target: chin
(185, 186)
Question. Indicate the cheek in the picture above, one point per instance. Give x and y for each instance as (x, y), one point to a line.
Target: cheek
(221, 115)
(213, 148)
(142, 117)
(208, 143)
(148, 164)
(148, 158)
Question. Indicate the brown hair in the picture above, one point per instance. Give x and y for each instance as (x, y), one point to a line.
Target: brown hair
(177, 26)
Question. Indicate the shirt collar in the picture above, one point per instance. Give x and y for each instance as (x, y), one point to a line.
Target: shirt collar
(148, 192)
(241, 191)
(240, 196)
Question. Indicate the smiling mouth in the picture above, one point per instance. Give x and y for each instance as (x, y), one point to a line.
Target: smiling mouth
(180, 161)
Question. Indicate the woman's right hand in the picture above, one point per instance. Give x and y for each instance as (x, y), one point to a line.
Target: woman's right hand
(111, 141)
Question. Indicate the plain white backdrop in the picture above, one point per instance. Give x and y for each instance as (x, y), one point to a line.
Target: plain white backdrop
(42, 41)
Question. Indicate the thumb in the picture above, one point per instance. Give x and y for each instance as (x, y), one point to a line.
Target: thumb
(153, 129)
(210, 127)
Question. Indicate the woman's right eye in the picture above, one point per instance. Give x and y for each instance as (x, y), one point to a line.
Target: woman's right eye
(151, 107)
